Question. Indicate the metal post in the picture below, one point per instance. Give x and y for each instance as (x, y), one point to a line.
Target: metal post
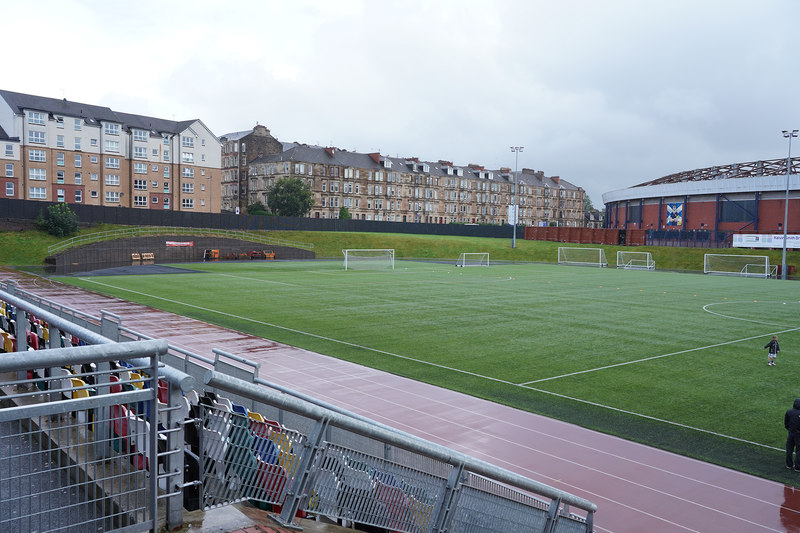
(516, 150)
(787, 134)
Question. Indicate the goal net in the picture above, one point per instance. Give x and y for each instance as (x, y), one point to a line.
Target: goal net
(469, 259)
(368, 259)
(582, 256)
(635, 260)
(739, 265)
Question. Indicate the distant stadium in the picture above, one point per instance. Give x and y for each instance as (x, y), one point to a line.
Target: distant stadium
(748, 197)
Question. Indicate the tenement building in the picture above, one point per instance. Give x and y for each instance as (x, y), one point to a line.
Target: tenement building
(238, 149)
(376, 187)
(63, 151)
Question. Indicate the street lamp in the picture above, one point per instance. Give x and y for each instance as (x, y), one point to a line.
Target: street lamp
(787, 134)
(516, 150)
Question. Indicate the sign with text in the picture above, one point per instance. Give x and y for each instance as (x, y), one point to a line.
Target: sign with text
(752, 240)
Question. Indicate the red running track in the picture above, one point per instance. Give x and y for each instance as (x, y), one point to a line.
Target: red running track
(636, 488)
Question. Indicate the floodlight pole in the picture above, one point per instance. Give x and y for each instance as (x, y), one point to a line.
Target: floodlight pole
(516, 150)
(787, 134)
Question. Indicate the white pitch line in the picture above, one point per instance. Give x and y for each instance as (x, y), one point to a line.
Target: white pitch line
(655, 357)
(705, 308)
(259, 280)
(314, 335)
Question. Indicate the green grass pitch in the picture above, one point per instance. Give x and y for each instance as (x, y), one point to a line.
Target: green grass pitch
(672, 360)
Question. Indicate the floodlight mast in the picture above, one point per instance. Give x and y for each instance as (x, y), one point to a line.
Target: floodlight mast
(787, 134)
(516, 150)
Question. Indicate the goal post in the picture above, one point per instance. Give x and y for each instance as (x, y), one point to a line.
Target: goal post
(635, 260)
(756, 266)
(368, 258)
(582, 256)
(467, 259)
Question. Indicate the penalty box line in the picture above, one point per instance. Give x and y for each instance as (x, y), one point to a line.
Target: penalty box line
(587, 371)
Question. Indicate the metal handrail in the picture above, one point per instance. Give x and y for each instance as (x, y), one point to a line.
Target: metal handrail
(143, 231)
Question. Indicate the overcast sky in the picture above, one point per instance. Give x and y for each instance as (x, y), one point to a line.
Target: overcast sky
(604, 93)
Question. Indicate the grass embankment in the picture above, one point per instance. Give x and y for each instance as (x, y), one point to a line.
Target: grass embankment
(30, 247)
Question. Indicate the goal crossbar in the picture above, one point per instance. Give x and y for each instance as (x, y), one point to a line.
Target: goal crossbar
(368, 258)
(473, 259)
(635, 260)
(582, 256)
(756, 266)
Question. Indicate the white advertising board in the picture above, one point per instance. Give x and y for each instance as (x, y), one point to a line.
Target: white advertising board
(752, 240)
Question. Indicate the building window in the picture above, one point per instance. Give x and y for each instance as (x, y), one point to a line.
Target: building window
(112, 197)
(60, 195)
(36, 137)
(187, 157)
(188, 172)
(166, 203)
(140, 185)
(78, 161)
(166, 172)
(112, 179)
(37, 174)
(166, 155)
(140, 152)
(154, 185)
(111, 129)
(78, 196)
(93, 194)
(93, 142)
(140, 168)
(139, 135)
(187, 188)
(154, 200)
(37, 193)
(37, 155)
(112, 162)
(93, 159)
(78, 178)
(187, 203)
(9, 188)
(78, 124)
(9, 170)
(36, 117)
(140, 201)
(60, 159)
(187, 141)
(60, 176)
(94, 176)
(112, 146)
(9, 150)
(166, 186)
(60, 141)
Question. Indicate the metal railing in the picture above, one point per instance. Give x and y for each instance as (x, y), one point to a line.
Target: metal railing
(144, 231)
(315, 458)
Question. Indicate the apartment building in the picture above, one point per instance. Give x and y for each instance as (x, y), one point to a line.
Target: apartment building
(376, 187)
(63, 151)
(238, 149)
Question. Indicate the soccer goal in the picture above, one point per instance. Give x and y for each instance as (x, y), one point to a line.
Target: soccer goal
(473, 259)
(368, 259)
(635, 260)
(756, 266)
(582, 256)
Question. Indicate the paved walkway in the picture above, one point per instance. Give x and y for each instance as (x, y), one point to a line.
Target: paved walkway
(637, 488)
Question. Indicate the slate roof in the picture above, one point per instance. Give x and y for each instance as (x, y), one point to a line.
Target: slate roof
(92, 114)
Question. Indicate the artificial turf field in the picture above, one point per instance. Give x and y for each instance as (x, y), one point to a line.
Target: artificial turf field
(673, 360)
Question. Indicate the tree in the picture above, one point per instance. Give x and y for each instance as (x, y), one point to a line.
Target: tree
(290, 197)
(344, 213)
(60, 221)
(257, 208)
(587, 203)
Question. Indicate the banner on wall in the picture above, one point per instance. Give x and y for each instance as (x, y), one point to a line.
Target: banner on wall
(675, 214)
(180, 243)
(750, 240)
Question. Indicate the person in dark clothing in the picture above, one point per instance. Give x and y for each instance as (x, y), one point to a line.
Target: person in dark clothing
(773, 348)
(792, 423)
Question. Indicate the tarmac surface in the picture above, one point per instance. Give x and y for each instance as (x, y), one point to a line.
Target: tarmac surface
(636, 488)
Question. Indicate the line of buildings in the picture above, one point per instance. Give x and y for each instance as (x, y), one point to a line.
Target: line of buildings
(62, 151)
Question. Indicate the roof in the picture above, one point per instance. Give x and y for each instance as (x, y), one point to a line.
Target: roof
(3, 135)
(92, 114)
(752, 169)
(335, 156)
